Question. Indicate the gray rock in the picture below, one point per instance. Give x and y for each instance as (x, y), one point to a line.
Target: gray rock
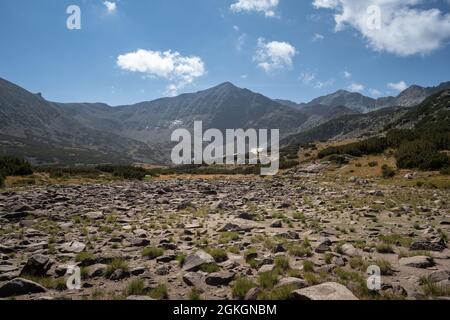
(196, 260)
(266, 268)
(296, 283)
(252, 294)
(219, 278)
(193, 279)
(438, 276)
(37, 265)
(119, 274)
(422, 262)
(73, 247)
(247, 216)
(324, 291)
(349, 250)
(276, 224)
(96, 270)
(162, 270)
(95, 215)
(19, 287)
(427, 246)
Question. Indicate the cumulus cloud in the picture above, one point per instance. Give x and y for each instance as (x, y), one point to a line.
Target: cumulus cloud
(168, 65)
(375, 93)
(274, 55)
(267, 7)
(110, 6)
(400, 27)
(310, 79)
(347, 75)
(356, 87)
(399, 86)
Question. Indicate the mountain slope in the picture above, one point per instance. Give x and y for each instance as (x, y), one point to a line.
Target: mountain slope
(38, 129)
(222, 107)
(410, 97)
(352, 126)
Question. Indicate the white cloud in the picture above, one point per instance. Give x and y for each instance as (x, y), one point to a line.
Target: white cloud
(329, 4)
(356, 87)
(274, 55)
(347, 75)
(401, 27)
(400, 86)
(240, 42)
(168, 65)
(267, 7)
(309, 79)
(110, 6)
(318, 37)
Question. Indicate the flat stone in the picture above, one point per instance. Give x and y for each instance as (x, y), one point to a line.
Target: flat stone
(196, 260)
(295, 283)
(324, 291)
(73, 247)
(422, 262)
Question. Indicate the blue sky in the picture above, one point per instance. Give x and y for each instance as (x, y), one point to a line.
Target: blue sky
(286, 49)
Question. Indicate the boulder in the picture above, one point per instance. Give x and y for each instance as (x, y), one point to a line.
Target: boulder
(19, 287)
(196, 260)
(438, 276)
(73, 247)
(94, 215)
(37, 265)
(193, 279)
(349, 250)
(424, 245)
(219, 278)
(324, 291)
(276, 224)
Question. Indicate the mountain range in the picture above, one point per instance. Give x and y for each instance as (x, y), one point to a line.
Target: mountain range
(48, 132)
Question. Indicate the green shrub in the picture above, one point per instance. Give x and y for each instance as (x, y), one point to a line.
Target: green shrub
(152, 252)
(282, 264)
(373, 164)
(209, 267)
(160, 292)
(12, 166)
(267, 280)
(384, 248)
(116, 264)
(2, 181)
(357, 149)
(219, 255)
(420, 154)
(241, 287)
(387, 172)
(125, 172)
(445, 170)
(308, 266)
(136, 288)
(194, 294)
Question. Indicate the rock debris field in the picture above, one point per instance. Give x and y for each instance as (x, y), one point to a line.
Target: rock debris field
(295, 236)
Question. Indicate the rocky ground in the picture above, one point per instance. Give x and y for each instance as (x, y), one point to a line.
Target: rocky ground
(298, 235)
